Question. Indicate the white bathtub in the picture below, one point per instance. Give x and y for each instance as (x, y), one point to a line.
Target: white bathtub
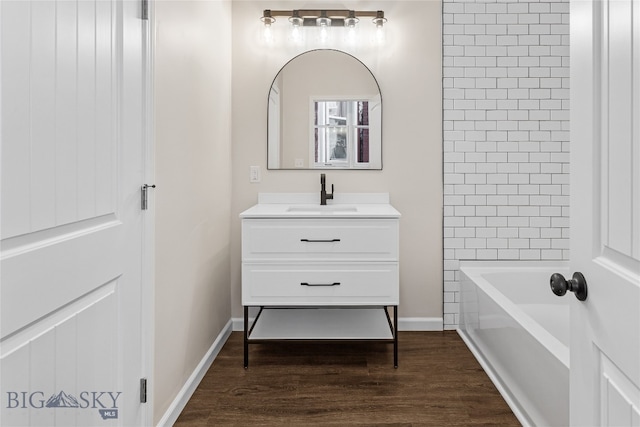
(519, 332)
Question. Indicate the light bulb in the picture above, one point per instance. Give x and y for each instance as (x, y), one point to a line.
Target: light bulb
(351, 36)
(380, 34)
(268, 34)
(295, 34)
(379, 22)
(267, 20)
(350, 23)
(296, 27)
(324, 34)
(323, 22)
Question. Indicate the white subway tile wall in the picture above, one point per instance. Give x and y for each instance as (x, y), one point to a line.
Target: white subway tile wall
(506, 134)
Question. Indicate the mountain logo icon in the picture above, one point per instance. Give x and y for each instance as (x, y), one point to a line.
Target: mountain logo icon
(62, 400)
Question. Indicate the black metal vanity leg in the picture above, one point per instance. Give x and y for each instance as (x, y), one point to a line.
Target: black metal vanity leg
(395, 336)
(246, 338)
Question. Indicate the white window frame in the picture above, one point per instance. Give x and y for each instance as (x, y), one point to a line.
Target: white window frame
(351, 162)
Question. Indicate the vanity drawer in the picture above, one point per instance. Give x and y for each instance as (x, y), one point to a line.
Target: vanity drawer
(320, 284)
(320, 239)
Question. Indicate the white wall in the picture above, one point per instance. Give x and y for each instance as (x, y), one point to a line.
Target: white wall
(193, 174)
(506, 134)
(408, 69)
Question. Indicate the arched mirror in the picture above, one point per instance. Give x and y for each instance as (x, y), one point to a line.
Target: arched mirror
(324, 112)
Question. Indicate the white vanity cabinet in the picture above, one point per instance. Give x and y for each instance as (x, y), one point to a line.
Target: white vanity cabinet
(312, 261)
(321, 272)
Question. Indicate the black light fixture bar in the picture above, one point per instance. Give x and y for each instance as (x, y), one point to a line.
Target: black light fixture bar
(337, 16)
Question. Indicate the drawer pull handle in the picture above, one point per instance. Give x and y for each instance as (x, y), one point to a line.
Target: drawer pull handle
(320, 241)
(320, 284)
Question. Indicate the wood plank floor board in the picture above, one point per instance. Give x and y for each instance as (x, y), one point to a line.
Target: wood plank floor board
(438, 383)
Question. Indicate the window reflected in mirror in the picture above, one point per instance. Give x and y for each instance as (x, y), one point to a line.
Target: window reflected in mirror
(341, 133)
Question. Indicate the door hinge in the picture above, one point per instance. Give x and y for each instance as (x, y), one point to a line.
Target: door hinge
(144, 7)
(143, 390)
(144, 196)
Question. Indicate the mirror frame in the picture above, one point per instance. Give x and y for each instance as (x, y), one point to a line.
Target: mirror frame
(381, 113)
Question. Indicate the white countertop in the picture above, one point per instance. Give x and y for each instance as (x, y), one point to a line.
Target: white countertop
(303, 205)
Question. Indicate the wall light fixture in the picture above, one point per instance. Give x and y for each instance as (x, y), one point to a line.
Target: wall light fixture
(322, 19)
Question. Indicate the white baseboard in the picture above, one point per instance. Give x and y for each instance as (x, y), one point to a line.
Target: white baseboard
(404, 324)
(238, 324)
(420, 324)
(173, 412)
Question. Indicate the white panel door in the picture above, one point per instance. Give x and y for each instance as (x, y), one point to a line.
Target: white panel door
(72, 122)
(605, 211)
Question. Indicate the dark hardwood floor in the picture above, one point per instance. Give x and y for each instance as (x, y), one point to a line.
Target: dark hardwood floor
(438, 383)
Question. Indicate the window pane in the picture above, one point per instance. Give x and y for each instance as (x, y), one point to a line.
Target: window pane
(331, 144)
(333, 113)
(337, 143)
(317, 136)
(363, 145)
(363, 113)
(337, 113)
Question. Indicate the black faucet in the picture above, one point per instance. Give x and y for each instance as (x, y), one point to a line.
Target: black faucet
(323, 191)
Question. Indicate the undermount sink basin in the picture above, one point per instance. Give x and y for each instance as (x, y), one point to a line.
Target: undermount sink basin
(328, 209)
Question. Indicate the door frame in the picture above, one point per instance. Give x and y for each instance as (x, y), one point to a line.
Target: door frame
(148, 222)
